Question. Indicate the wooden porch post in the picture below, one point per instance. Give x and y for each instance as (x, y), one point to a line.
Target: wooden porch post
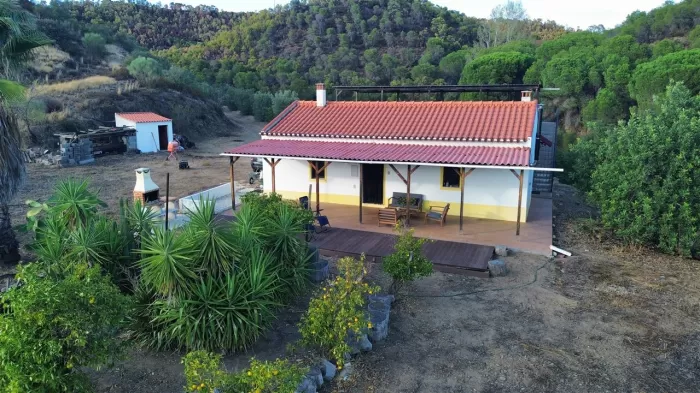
(231, 161)
(318, 179)
(520, 198)
(407, 182)
(463, 179)
(361, 195)
(272, 165)
(408, 196)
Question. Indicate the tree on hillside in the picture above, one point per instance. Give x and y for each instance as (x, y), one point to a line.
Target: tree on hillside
(651, 77)
(506, 23)
(94, 46)
(19, 37)
(645, 179)
(145, 69)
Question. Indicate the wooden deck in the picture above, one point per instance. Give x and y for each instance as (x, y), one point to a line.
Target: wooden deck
(447, 256)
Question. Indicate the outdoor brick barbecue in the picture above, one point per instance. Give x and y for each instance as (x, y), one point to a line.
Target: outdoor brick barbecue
(145, 189)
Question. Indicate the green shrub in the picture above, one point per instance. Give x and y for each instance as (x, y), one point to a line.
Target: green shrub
(644, 179)
(243, 100)
(94, 46)
(212, 286)
(262, 106)
(407, 262)
(204, 373)
(145, 69)
(53, 325)
(281, 100)
(337, 309)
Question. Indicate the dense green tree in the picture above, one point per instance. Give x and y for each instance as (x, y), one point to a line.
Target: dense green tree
(94, 45)
(651, 77)
(645, 180)
(145, 69)
(497, 68)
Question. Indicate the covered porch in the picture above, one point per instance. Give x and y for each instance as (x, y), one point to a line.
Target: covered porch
(535, 236)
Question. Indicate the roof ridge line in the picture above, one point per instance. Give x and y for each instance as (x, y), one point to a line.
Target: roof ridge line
(279, 117)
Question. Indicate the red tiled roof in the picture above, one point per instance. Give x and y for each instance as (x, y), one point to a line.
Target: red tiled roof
(445, 120)
(143, 117)
(386, 152)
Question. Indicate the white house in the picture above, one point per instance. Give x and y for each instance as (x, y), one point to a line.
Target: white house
(153, 131)
(477, 156)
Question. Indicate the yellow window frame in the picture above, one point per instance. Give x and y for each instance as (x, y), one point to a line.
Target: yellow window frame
(325, 172)
(442, 179)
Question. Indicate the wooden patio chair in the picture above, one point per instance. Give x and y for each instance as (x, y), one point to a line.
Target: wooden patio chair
(388, 216)
(437, 213)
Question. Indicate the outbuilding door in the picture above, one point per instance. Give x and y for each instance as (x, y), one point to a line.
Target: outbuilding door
(163, 137)
(373, 183)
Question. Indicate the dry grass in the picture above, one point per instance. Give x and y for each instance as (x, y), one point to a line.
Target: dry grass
(73, 86)
(48, 58)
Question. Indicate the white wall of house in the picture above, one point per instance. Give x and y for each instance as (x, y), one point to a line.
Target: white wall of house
(489, 193)
(146, 133)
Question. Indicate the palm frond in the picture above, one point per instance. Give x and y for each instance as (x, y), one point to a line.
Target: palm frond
(212, 240)
(167, 262)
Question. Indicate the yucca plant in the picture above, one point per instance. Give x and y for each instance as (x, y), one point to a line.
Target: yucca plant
(167, 262)
(213, 241)
(73, 202)
(286, 230)
(85, 245)
(249, 229)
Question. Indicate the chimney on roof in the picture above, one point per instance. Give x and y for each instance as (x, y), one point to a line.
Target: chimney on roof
(320, 95)
(526, 96)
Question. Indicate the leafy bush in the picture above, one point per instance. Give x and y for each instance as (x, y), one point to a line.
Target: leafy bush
(94, 46)
(204, 373)
(213, 286)
(281, 100)
(407, 262)
(243, 100)
(262, 106)
(55, 324)
(145, 69)
(338, 308)
(645, 185)
(651, 78)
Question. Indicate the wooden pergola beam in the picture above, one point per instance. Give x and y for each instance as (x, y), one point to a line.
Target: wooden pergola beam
(232, 160)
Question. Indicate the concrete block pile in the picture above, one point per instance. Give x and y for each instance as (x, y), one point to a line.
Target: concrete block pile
(77, 153)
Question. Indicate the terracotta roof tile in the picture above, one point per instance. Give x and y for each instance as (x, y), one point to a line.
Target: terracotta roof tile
(386, 152)
(143, 117)
(446, 120)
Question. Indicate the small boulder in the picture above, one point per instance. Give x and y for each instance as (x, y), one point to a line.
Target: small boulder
(346, 372)
(328, 370)
(364, 343)
(498, 268)
(316, 376)
(306, 386)
(502, 251)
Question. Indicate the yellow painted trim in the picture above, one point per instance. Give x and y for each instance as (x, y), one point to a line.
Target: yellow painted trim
(442, 180)
(325, 173)
(489, 212)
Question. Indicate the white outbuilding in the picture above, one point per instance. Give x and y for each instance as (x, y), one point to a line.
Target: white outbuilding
(153, 131)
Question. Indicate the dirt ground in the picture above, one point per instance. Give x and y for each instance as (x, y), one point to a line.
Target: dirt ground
(113, 176)
(608, 319)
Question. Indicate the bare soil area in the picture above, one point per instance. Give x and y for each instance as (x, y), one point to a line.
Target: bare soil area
(113, 176)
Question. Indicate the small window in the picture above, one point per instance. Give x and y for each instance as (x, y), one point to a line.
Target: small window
(450, 177)
(319, 164)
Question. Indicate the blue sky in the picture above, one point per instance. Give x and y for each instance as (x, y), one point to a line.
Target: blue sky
(571, 13)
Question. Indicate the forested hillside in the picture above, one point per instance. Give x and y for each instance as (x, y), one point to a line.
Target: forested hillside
(152, 26)
(601, 73)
